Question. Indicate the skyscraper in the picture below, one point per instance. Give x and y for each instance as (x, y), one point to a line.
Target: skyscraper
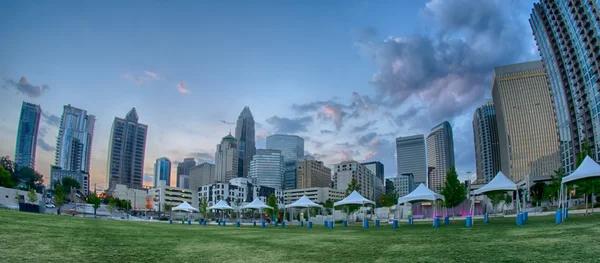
(74, 145)
(162, 171)
(244, 133)
(126, 151)
(440, 154)
(567, 35)
(527, 132)
(226, 160)
(487, 148)
(29, 124)
(345, 171)
(378, 178)
(410, 157)
(266, 168)
(183, 171)
(312, 173)
(292, 148)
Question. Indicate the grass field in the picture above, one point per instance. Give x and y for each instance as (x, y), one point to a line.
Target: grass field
(27, 237)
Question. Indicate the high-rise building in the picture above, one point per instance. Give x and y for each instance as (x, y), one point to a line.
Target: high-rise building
(29, 124)
(200, 175)
(162, 171)
(527, 132)
(74, 143)
(292, 148)
(378, 179)
(344, 172)
(244, 133)
(183, 171)
(440, 154)
(226, 160)
(312, 173)
(266, 168)
(487, 146)
(567, 35)
(410, 157)
(126, 151)
(404, 184)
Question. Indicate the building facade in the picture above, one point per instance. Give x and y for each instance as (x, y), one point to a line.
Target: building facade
(139, 199)
(378, 179)
(200, 175)
(244, 133)
(27, 134)
(567, 35)
(487, 145)
(527, 127)
(164, 194)
(226, 159)
(404, 184)
(411, 158)
(440, 154)
(312, 174)
(266, 168)
(292, 148)
(345, 171)
(315, 194)
(74, 142)
(183, 172)
(162, 171)
(57, 174)
(126, 151)
(238, 190)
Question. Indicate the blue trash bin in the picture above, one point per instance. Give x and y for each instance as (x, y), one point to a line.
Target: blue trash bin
(254, 223)
(469, 221)
(520, 219)
(485, 218)
(237, 223)
(171, 221)
(189, 222)
(436, 222)
(377, 223)
(204, 222)
(282, 224)
(325, 224)
(365, 223)
(263, 224)
(446, 220)
(276, 223)
(309, 224)
(345, 223)
(224, 223)
(410, 221)
(302, 223)
(331, 224)
(558, 218)
(395, 223)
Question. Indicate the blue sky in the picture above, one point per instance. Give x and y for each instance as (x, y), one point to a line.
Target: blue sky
(348, 76)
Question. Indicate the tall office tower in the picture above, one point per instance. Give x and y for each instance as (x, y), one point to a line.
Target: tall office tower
(440, 154)
(266, 168)
(74, 144)
(344, 172)
(126, 151)
(403, 184)
(200, 175)
(567, 35)
(183, 171)
(162, 171)
(410, 157)
(487, 147)
(378, 179)
(527, 132)
(244, 133)
(226, 160)
(29, 124)
(292, 148)
(312, 173)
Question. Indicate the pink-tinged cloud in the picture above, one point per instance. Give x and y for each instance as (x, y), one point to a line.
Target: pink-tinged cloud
(329, 111)
(369, 155)
(181, 88)
(344, 156)
(151, 74)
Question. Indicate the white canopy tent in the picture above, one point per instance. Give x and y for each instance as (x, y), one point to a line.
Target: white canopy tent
(587, 169)
(354, 198)
(257, 204)
(422, 193)
(499, 183)
(221, 205)
(185, 207)
(304, 202)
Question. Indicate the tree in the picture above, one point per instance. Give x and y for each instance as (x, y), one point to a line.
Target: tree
(495, 198)
(352, 186)
(537, 191)
(60, 196)
(391, 195)
(203, 207)
(389, 186)
(272, 202)
(111, 207)
(32, 196)
(95, 201)
(507, 199)
(30, 179)
(453, 191)
(6, 178)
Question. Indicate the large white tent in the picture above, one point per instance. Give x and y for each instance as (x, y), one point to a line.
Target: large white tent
(587, 169)
(422, 193)
(185, 207)
(354, 199)
(221, 205)
(499, 183)
(257, 204)
(304, 202)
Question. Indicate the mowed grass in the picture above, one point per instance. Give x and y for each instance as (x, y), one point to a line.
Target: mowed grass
(27, 237)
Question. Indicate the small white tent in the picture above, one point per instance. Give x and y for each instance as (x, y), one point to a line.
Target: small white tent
(257, 204)
(221, 205)
(499, 183)
(185, 207)
(587, 169)
(354, 199)
(422, 193)
(304, 202)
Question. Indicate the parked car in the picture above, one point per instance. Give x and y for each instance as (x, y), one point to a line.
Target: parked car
(50, 205)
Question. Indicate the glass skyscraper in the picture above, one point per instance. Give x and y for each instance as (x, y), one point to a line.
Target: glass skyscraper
(244, 133)
(411, 159)
(29, 124)
(378, 178)
(292, 148)
(568, 38)
(162, 171)
(440, 155)
(266, 168)
(487, 148)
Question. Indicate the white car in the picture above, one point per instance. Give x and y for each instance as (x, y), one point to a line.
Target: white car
(50, 205)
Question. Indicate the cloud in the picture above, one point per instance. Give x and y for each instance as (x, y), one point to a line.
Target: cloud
(369, 155)
(326, 132)
(362, 128)
(366, 139)
(51, 119)
(203, 157)
(289, 125)
(146, 76)
(45, 146)
(148, 178)
(151, 74)
(336, 112)
(182, 89)
(226, 122)
(23, 86)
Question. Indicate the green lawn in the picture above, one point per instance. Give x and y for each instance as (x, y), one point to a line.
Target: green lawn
(26, 237)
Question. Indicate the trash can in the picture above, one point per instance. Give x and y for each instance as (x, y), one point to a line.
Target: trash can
(171, 221)
(237, 223)
(436, 222)
(395, 223)
(263, 224)
(282, 224)
(377, 223)
(345, 223)
(309, 224)
(558, 218)
(485, 218)
(469, 221)
(325, 223)
(446, 220)
(189, 222)
(520, 219)
(331, 224)
(254, 223)
(365, 223)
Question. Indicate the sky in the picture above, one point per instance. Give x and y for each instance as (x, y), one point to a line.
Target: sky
(347, 76)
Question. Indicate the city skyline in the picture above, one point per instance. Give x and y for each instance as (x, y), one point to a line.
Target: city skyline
(356, 115)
